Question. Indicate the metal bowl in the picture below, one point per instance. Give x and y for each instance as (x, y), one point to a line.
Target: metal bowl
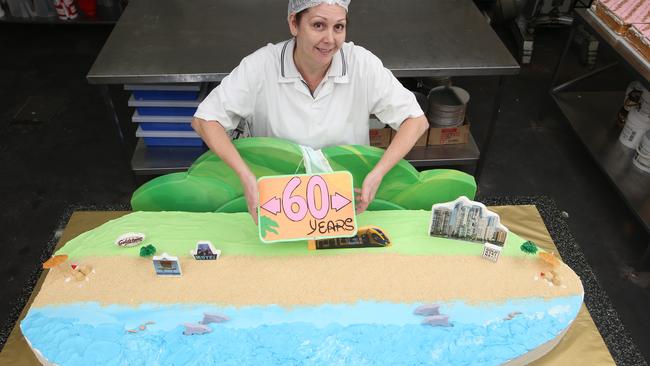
(447, 105)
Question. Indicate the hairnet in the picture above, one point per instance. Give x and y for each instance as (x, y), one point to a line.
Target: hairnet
(296, 6)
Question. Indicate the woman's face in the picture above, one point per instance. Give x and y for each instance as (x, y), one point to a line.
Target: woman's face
(320, 33)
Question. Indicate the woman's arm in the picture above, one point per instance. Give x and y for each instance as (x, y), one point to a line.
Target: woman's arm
(405, 138)
(214, 135)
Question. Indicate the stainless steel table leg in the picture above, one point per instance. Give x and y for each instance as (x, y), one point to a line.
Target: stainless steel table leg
(106, 94)
(496, 108)
(567, 46)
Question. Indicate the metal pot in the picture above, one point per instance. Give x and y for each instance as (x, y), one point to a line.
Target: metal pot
(447, 105)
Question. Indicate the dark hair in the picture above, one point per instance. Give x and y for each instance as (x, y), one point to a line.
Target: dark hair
(300, 14)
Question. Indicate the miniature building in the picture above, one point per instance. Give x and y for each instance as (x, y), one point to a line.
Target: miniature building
(464, 219)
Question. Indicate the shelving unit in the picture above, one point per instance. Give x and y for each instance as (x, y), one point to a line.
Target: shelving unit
(164, 160)
(593, 114)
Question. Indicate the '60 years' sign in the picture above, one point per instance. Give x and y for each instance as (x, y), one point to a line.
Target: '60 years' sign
(297, 207)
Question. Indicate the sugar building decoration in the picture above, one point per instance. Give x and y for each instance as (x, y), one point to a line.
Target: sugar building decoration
(464, 219)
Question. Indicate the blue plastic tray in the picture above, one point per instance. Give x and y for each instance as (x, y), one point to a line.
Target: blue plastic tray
(172, 141)
(166, 111)
(153, 126)
(165, 95)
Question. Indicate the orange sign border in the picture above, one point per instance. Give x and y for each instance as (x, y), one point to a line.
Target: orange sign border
(352, 203)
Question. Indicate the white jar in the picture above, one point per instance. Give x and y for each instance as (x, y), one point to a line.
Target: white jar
(642, 157)
(633, 95)
(644, 102)
(642, 163)
(644, 145)
(636, 124)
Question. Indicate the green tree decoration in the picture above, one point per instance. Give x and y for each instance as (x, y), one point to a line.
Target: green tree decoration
(529, 247)
(267, 224)
(147, 251)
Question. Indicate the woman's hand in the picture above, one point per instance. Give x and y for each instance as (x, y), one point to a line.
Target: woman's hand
(402, 143)
(249, 184)
(366, 194)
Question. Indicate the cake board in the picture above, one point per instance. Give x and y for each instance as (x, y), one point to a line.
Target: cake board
(581, 343)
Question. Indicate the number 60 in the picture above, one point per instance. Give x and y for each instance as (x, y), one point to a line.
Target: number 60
(288, 200)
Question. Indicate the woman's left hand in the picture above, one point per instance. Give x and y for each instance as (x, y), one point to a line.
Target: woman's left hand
(366, 194)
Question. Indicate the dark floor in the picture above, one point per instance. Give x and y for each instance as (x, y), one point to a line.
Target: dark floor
(68, 154)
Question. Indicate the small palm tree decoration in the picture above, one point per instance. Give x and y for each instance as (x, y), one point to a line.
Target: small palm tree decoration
(147, 251)
(529, 247)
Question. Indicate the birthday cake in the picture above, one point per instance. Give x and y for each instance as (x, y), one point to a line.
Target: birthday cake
(639, 36)
(443, 285)
(619, 15)
(422, 300)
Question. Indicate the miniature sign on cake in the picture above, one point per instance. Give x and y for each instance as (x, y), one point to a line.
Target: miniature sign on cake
(167, 265)
(464, 219)
(205, 251)
(299, 207)
(129, 240)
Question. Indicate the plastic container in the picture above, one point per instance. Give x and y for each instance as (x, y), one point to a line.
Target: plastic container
(163, 123)
(633, 95)
(636, 125)
(165, 107)
(66, 9)
(447, 105)
(164, 91)
(644, 103)
(169, 138)
(642, 157)
(88, 7)
(644, 145)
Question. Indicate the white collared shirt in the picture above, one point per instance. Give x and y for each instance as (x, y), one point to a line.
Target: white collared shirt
(267, 92)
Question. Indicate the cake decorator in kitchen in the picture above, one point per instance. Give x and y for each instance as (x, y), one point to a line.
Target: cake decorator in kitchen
(315, 90)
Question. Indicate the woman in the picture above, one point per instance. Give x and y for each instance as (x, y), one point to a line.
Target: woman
(314, 89)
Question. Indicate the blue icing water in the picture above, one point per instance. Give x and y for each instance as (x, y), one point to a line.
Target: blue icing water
(366, 333)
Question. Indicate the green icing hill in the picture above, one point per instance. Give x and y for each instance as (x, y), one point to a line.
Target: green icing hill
(211, 186)
(235, 234)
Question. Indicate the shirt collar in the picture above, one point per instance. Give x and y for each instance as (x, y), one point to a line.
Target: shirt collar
(289, 72)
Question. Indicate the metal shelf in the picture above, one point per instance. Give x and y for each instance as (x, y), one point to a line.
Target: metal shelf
(55, 21)
(624, 50)
(163, 160)
(444, 155)
(592, 116)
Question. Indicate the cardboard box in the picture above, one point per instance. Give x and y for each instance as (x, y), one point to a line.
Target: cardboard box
(422, 141)
(380, 137)
(449, 135)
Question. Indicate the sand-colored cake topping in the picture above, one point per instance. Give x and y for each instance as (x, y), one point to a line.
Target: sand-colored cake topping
(312, 280)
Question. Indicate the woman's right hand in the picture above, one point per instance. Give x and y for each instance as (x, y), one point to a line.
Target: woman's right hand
(249, 184)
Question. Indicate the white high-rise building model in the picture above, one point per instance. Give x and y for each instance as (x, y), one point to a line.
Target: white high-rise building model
(473, 219)
(467, 220)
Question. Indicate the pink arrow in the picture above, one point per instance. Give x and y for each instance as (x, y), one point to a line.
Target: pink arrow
(338, 201)
(272, 205)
